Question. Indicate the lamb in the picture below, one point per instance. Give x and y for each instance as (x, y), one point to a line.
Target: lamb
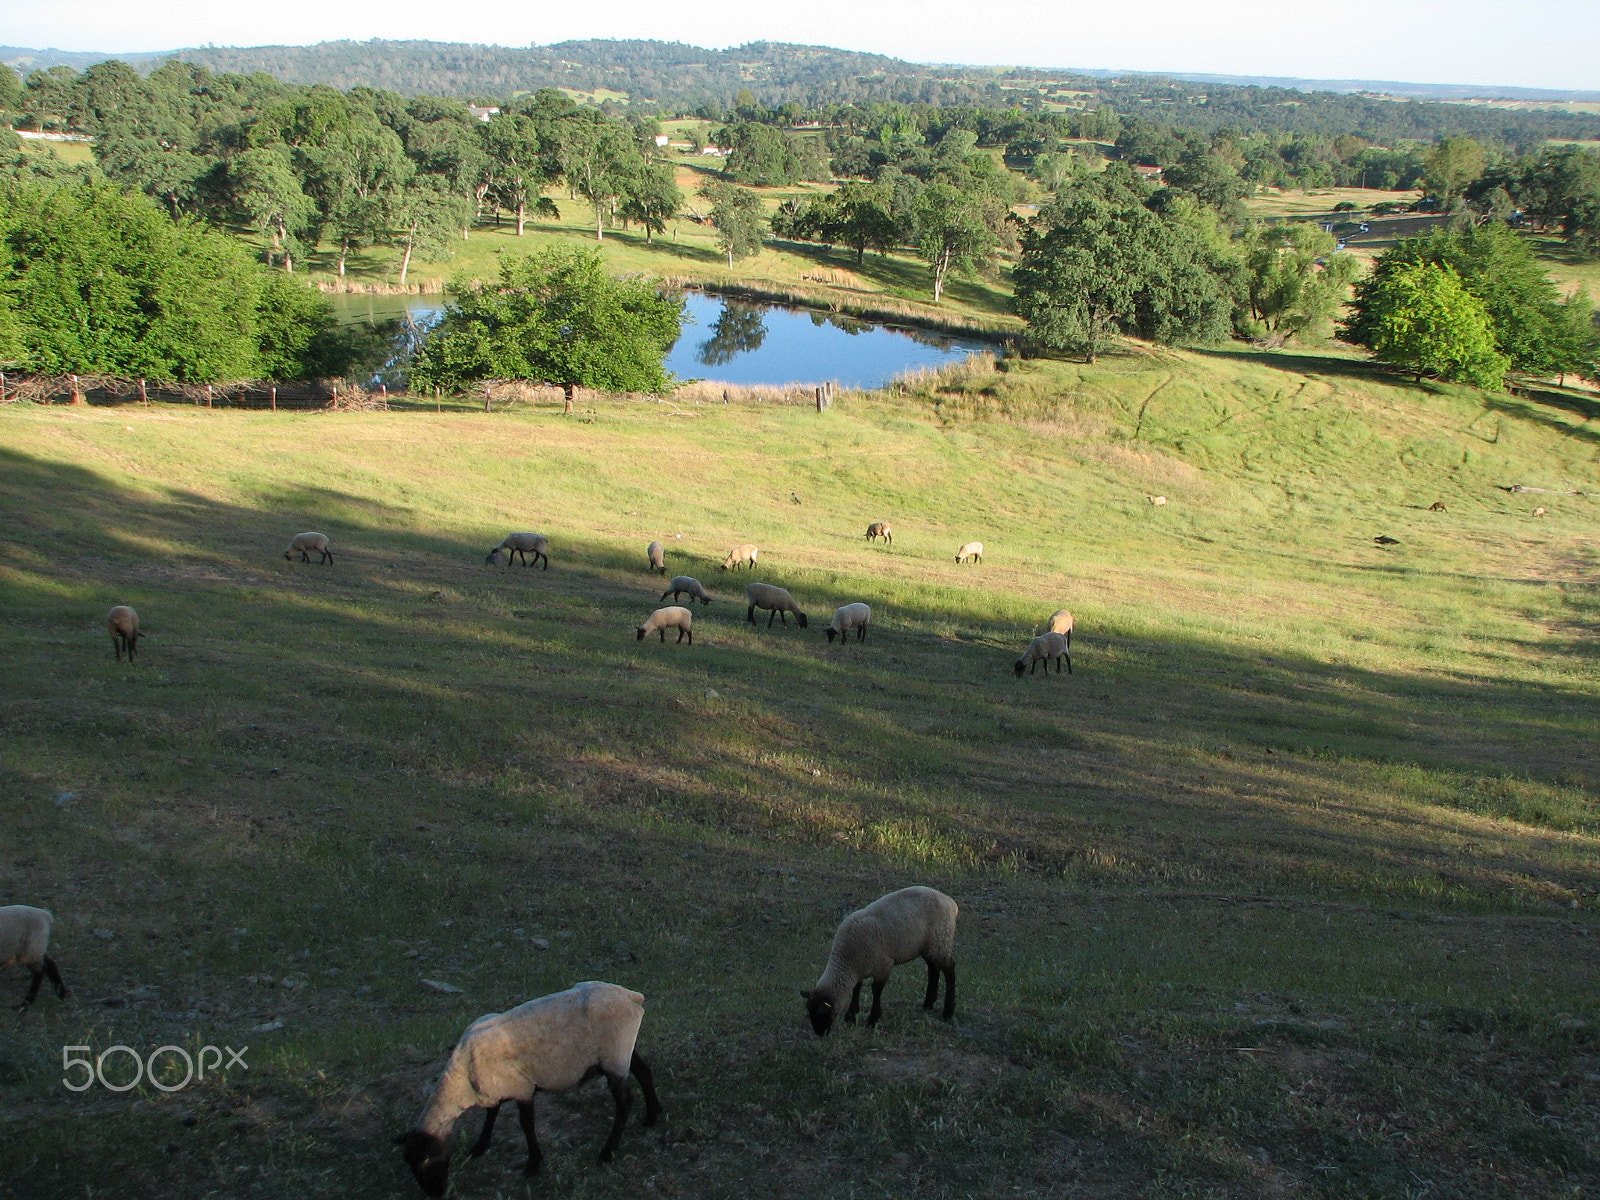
(550, 1044)
(24, 938)
(765, 595)
(686, 583)
(915, 922)
(1043, 649)
(972, 550)
(881, 529)
(664, 619)
(522, 544)
(305, 543)
(855, 616)
(658, 557)
(744, 555)
(124, 625)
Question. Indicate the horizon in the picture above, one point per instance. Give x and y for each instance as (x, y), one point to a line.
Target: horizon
(1430, 43)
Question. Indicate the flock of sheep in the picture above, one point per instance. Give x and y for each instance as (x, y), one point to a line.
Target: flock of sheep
(559, 1041)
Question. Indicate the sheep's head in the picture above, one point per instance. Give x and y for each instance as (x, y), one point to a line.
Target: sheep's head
(287, 556)
(640, 632)
(820, 1010)
(831, 632)
(494, 556)
(801, 617)
(1020, 668)
(428, 1157)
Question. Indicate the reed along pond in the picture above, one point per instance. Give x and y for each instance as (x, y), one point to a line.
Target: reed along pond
(743, 342)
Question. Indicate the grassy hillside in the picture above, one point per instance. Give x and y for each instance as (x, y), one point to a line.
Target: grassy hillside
(1288, 891)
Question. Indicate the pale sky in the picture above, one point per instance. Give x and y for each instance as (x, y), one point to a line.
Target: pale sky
(1531, 43)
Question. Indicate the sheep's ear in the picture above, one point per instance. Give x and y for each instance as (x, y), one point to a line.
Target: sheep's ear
(400, 1138)
(805, 993)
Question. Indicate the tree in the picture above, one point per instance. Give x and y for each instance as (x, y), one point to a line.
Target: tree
(599, 159)
(1295, 276)
(953, 232)
(425, 217)
(736, 213)
(1420, 316)
(652, 198)
(266, 191)
(1452, 165)
(557, 317)
(522, 159)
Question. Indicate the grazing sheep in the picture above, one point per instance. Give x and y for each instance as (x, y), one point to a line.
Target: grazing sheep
(24, 938)
(306, 542)
(1060, 622)
(1043, 649)
(1436, 506)
(739, 556)
(855, 616)
(686, 583)
(915, 922)
(1540, 511)
(881, 529)
(972, 550)
(658, 557)
(1156, 501)
(125, 634)
(550, 1044)
(765, 595)
(522, 544)
(1383, 539)
(664, 619)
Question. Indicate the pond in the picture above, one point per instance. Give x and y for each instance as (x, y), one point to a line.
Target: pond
(740, 342)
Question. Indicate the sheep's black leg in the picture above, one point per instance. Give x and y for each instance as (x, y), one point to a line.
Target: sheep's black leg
(1068, 657)
(949, 989)
(38, 978)
(482, 1144)
(133, 647)
(546, 557)
(525, 1118)
(54, 972)
(772, 615)
(663, 633)
(691, 637)
(862, 636)
(750, 614)
(877, 1007)
(622, 1094)
(932, 993)
(679, 642)
(855, 1005)
(647, 1083)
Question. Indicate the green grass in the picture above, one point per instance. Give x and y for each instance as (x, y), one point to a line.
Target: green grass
(1288, 891)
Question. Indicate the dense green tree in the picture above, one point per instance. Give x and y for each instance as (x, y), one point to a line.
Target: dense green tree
(652, 198)
(424, 217)
(1420, 316)
(266, 192)
(556, 317)
(768, 157)
(857, 215)
(954, 231)
(1296, 277)
(1452, 165)
(736, 213)
(522, 161)
(599, 160)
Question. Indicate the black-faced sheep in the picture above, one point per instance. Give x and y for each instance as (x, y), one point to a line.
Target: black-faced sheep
(1045, 648)
(915, 922)
(24, 938)
(741, 556)
(657, 553)
(765, 595)
(972, 550)
(685, 583)
(547, 1045)
(855, 616)
(124, 625)
(304, 543)
(880, 529)
(522, 544)
(664, 619)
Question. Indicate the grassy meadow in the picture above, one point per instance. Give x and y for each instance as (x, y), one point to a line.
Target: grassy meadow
(1289, 891)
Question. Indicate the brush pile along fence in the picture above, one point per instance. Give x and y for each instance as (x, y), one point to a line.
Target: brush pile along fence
(255, 393)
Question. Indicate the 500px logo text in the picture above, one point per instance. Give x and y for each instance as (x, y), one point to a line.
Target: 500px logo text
(158, 1070)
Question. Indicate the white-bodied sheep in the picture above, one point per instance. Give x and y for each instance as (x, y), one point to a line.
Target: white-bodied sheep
(522, 544)
(664, 619)
(915, 922)
(657, 554)
(765, 595)
(855, 616)
(547, 1045)
(1045, 648)
(741, 556)
(1156, 501)
(307, 542)
(685, 583)
(880, 529)
(24, 938)
(125, 634)
(972, 550)
(1060, 622)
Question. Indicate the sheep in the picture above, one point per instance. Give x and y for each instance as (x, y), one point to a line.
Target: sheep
(1156, 501)
(24, 938)
(687, 583)
(1383, 539)
(1043, 649)
(1437, 506)
(658, 557)
(522, 544)
(1540, 511)
(664, 619)
(765, 595)
(744, 555)
(881, 529)
(1060, 622)
(972, 550)
(850, 616)
(125, 633)
(915, 922)
(306, 542)
(550, 1044)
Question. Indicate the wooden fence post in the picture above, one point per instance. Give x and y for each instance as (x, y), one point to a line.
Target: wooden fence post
(144, 392)
(273, 398)
(77, 394)
(488, 399)
(208, 395)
